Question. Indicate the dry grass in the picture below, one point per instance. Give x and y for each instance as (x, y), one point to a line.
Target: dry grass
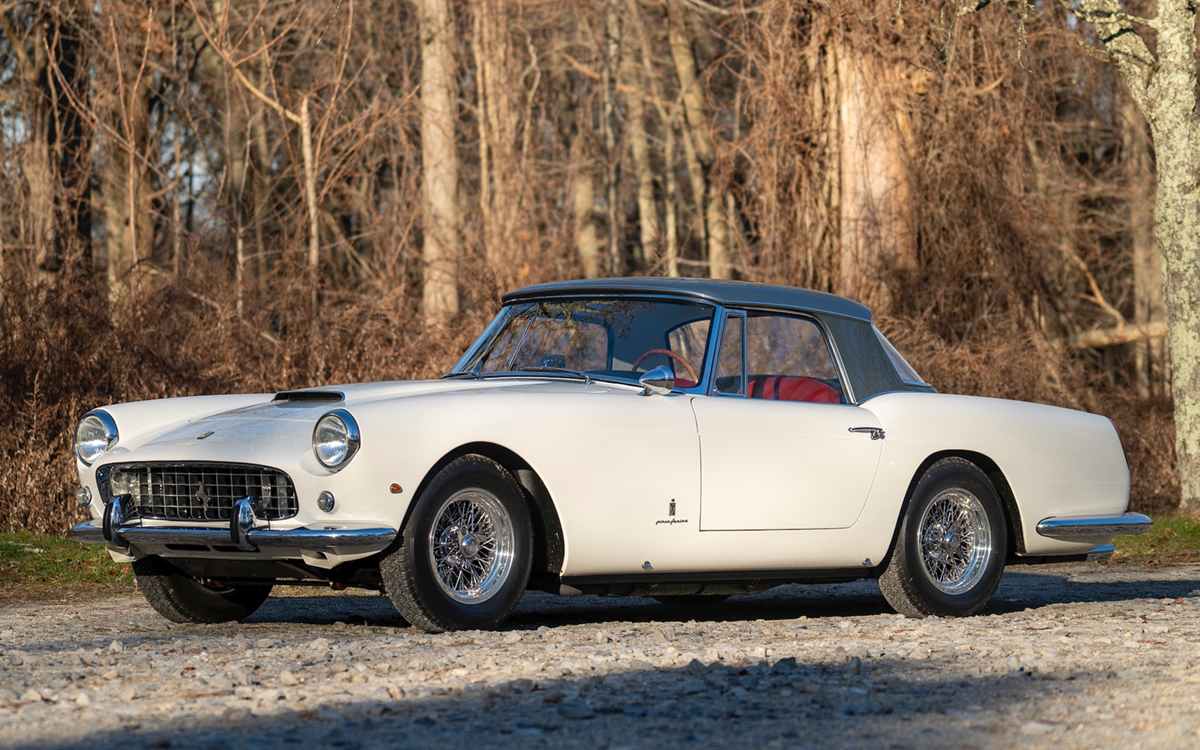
(63, 352)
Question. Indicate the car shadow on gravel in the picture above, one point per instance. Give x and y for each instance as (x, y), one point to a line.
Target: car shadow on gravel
(877, 704)
(1020, 589)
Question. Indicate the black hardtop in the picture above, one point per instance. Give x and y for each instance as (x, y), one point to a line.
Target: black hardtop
(731, 293)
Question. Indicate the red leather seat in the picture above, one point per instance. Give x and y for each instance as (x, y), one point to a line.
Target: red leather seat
(789, 388)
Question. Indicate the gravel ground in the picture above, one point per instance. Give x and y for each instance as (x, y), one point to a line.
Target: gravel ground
(1073, 656)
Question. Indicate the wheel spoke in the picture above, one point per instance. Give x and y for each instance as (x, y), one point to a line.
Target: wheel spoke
(954, 540)
(472, 545)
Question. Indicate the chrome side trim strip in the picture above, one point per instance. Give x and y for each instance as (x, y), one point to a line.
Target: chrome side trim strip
(1095, 529)
(89, 533)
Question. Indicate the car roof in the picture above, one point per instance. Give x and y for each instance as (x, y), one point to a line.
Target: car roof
(731, 293)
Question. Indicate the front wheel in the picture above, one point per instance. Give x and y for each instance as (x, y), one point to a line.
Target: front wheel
(464, 557)
(950, 551)
(181, 598)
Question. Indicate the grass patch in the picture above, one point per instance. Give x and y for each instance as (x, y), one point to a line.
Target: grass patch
(42, 567)
(1172, 539)
(39, 567)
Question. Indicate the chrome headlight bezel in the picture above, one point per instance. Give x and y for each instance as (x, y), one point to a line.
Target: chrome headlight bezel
(335, 439)
(103, 428)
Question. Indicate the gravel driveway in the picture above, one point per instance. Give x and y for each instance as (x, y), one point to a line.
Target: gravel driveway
(1067, 656)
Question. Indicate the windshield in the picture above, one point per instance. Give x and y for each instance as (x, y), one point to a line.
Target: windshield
(602, 338)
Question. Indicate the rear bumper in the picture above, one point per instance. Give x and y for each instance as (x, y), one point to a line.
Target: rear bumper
(1093, 529)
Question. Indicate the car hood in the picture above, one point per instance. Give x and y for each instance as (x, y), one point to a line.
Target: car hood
(222, 434)
(299, 405)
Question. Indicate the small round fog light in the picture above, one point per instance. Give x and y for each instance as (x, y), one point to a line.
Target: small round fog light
(83, 496)
(325, 501)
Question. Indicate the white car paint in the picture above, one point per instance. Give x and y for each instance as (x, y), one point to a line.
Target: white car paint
(614, 462)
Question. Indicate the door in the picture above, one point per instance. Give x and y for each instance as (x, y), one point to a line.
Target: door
(780, 446)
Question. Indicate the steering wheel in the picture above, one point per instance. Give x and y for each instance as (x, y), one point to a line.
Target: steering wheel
(691, 371)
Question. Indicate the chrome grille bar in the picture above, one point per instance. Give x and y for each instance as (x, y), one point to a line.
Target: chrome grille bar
(201, 491)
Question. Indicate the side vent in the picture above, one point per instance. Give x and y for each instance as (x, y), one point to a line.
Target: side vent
(327, 397)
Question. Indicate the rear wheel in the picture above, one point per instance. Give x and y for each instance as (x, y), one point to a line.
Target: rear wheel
(181, 598)
(950, 552)
(464, 557)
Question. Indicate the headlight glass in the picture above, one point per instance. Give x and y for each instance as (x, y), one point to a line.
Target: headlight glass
(335, 439)
(97, 432)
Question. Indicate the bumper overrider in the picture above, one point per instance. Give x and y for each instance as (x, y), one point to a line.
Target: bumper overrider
(120, 530)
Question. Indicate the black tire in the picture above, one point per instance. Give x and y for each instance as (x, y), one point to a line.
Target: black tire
(180, 598)
(409, 572)
(921, 583)
(691, 600)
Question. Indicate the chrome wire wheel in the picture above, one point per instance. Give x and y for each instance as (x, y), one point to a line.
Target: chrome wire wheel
(955, 540)
(471, 546)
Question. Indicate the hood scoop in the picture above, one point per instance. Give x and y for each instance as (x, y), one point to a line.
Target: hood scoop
(310, 397)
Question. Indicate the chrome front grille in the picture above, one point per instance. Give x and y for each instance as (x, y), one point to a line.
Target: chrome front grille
(199, 491)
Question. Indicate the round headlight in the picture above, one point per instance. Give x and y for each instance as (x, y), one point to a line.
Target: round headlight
(96, 433)
(335, 439)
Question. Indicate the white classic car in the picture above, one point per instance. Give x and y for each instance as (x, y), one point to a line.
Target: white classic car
(674, 438)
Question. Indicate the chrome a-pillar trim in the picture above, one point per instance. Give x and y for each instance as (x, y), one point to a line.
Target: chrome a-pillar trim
(1093, 529)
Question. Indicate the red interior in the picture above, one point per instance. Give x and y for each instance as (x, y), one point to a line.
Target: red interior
(793, 389)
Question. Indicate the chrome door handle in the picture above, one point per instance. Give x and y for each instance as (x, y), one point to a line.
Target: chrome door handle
(876, 433)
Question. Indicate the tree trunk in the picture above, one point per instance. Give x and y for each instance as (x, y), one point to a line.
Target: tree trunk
(612, 159)
(709, 201)
(583, 198)
(639, 141)
(125, 186)
(439, 160)
(1148, 353)
(672, 207)
(1163, 84)
(310, 201)
(874, 202)
(56, 158)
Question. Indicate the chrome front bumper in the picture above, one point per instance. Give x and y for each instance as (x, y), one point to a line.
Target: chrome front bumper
(1093, 529)
(240, 535)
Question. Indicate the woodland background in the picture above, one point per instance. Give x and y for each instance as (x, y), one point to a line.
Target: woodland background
(205, 196)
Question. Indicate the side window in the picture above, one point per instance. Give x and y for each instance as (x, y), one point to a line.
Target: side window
(789, 360)
(731, 373)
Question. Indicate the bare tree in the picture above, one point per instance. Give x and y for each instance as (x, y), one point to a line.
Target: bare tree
(439, 159)
(698, 142)
(1163, 84)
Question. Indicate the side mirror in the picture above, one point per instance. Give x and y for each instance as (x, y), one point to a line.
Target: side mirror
(660, 380)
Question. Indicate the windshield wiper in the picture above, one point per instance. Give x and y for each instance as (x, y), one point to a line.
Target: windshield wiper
(463, 374)
(545, 368)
